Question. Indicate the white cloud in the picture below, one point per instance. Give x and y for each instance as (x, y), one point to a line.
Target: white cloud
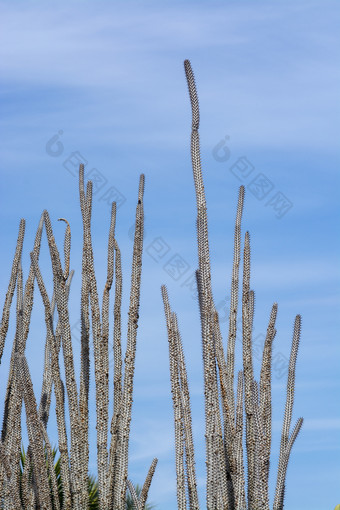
(137, 53)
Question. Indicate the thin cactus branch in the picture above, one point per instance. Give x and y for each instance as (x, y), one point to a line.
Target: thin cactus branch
(58, 389)
(279, 495)
(261, 488)
(46, 389)
(78, 477)
(234, 301)
(100, 343)
(265, 392)
(104, 346)
(117, 349)
(136, 503)
(248, 370)
(29, 286)
(145, 490)
(5, 461)
(85, 206)
(67, 248)
(28, 492)
(187, 421)
(228, 461)
(178, 409)
(11, 287)
(284, 448)
(12, 422)
(117, 369)
(127, 395)
(239, 484)
(34, 432)
(206, 300)
(50, 465)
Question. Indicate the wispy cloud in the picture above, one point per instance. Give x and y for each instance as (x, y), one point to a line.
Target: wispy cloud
(131, 53)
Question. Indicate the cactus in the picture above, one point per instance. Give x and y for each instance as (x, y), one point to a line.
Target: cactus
(38, 484)
(225, 484)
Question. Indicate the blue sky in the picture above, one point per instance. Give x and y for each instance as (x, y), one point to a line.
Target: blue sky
(104, 82)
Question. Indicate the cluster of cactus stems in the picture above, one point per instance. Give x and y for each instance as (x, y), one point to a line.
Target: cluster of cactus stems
(224, 420)
(37, 486)
(226, 489)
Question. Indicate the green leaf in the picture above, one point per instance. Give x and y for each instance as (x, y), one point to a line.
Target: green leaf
(92, 484)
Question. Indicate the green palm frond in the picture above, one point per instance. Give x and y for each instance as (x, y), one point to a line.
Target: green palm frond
(93, 493)
(129, 502)
(92, 484)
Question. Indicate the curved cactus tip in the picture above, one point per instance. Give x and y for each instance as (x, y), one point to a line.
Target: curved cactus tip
(337, 507)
